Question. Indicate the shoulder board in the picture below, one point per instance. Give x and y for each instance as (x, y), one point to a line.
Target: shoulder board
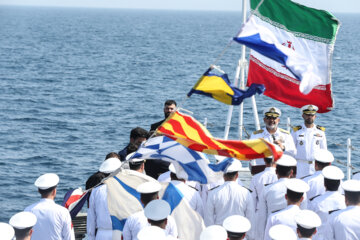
(305, 176)
(247, 189)
(214, 188)
(297, 128)
(314, 197)
(330, 212)
(320, 128)
(192, 187)
(258, 131)
(284, 131)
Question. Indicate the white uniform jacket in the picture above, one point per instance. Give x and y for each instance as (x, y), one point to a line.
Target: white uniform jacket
(53, 221)
(316, 184)
(344, 224)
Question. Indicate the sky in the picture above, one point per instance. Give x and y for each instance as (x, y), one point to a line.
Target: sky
(335, 6)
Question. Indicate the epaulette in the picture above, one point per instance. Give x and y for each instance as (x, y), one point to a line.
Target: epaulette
(305, 176)
(248, 189)
(332, 211)
(314, 197)
(214, 188)
(192, 187)
(320, 128)
(284, 131)
(297, 128)
(258, 131)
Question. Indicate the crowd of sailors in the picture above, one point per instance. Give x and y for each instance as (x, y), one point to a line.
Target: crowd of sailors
(300, 196)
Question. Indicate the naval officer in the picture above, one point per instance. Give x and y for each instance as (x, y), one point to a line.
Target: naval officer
(23, 223)
(308, 137)
(272, 133)
(53, 220)
(307, 223)
(236, 227)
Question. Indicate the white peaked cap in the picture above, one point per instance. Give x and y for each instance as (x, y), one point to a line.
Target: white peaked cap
(308, 219)
(351, 185)
(23, 220)
(286, 161)
(282, 232)
(235, 166)
(332, 173)
(6, 230)
(46, 181)
(237, 224)
(172, 168)
(133, 159)
(272, 111)
(149, 187)
(309, 109)
(324, 156)
(110, 165)
(151, 233)
(213, 232)
(157, 210)
(297, 185)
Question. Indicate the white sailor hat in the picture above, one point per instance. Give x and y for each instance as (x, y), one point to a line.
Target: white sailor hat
(332, 173)
(149, 187)
(110, 165)
(23, 220)
(272, 112)
(351, 185)
(213, 232)
(309, 109)
(308, 219)
(282, 232)
(157, 210)
(235, 166)
(324, 156)
(236, 224)
(172, 168)
(46, 181)
(286, 161)
(151, 233)
(297, 185)
(133, 160)
(7, 231)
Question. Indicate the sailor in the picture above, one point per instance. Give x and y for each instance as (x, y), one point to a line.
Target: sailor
(157, 213)
(308, 137)
(213, 232)
(169, 107)
(53, 220)
(229, 199)
(330, 201)
(323, 158)
(7, 231)
(345, 224)
(148, 191)
(98, 224)
(137, 136)
(307, 221)
(272, 133)
(294, 196)
(23, 223)
(236, 227)
(282, 232)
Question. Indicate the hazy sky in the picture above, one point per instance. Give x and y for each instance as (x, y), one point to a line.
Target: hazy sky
(223, 5)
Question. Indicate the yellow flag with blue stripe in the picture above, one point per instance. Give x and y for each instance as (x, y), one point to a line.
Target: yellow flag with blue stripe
(220, 88)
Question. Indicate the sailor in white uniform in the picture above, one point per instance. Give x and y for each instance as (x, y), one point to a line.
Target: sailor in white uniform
(272, 133)
(307, 223)
(98, 224)
(236, 227)
(7, 231)
(345, 224)
(323, 158)
(53, 220)
(157, 213)
(23, 223)
(153, 232)
(282, 232)
(308, 138)
(331, 200)
(294, 196)
(229, 199)
(213, 232)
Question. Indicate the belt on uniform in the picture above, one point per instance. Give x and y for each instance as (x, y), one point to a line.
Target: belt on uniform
(306, 161)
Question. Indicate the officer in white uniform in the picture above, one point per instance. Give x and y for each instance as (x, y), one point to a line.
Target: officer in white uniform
(229, 199)
(282, 232)
(53, 220)
(307, 221)
(323, 158)
(99, 225)
(294, 196)
(23, 223)
(7, 231)
(345, 224)
(331, 200)
(236, 227)
(308, 138)
(213, 232)
(273, 134)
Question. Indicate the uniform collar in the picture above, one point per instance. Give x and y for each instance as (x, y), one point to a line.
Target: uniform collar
(267, 132)
(47, 200)
(270, 169)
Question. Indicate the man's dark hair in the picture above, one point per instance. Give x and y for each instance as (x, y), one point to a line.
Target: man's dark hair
(353, 198)
(148, 197)
(112, 155)
(268, 160)
(322, 165)
(283, 171)
(233, 235)
(22, 233)
(138, 132)
(305, 232)
(170, 102)
(293, 196)
(135, 165)
(46, 192)
(331, 185)
(230, 175)
(95, 179)
(156, 223)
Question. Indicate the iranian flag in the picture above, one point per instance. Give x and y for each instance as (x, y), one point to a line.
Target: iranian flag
(292, 47)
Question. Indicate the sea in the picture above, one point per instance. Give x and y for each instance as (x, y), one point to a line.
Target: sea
(75, 81)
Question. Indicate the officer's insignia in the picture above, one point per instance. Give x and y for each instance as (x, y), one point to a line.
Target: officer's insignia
(284, 131)
(297, 128)
(301, 135)
(258, 131)
(317, 142)
(301, 143)
(317, 135)
(320, 128)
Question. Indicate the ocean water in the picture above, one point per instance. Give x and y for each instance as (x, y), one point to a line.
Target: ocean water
(74, 82)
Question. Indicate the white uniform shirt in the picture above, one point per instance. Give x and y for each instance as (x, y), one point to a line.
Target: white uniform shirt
(53, 221)
(344, 224)
(98, 216)
(259, 181)
(316, 184)
(138, 221)
(280, 134)
(285, 216)
(323, 205)
(356, 176)
(307, 141)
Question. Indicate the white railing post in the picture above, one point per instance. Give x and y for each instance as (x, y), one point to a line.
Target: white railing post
(288, 124)
(205, 122)
(348, 158)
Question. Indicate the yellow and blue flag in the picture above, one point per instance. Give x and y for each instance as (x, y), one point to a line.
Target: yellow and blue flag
(220, 88)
